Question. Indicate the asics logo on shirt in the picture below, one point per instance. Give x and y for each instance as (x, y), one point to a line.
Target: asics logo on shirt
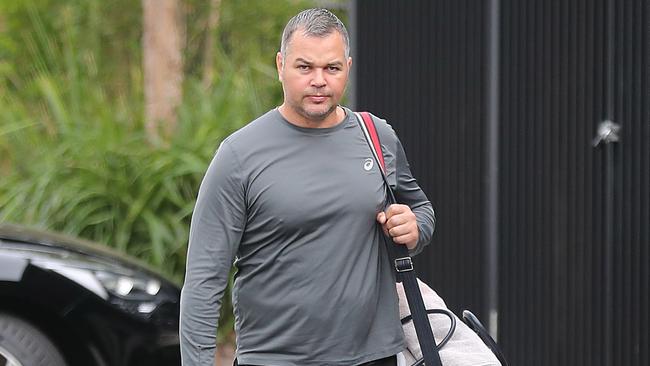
(367, 164)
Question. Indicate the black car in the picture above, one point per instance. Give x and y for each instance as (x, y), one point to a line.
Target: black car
(69, 302)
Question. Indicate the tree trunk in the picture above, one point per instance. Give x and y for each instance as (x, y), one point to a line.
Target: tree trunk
(163, 66)
(208, 51)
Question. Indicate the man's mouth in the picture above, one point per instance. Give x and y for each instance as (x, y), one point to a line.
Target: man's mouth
(317, 98)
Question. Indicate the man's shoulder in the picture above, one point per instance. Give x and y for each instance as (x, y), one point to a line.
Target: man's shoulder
(255, 131)
(384, 129)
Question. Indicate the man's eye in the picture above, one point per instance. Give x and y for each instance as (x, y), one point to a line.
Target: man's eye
(334, 68)
(303, 67)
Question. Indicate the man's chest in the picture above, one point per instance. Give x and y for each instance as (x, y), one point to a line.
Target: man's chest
(315, 181)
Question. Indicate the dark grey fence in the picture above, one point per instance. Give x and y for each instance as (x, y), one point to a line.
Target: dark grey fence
(572, 219)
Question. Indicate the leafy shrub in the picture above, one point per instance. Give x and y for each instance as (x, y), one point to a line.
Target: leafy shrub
(74, 156)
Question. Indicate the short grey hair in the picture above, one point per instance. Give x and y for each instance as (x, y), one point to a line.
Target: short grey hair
(315, 22)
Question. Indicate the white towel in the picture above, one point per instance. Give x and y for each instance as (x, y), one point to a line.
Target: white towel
(464, 348)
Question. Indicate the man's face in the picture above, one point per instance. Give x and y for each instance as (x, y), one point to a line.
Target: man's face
(314, 74)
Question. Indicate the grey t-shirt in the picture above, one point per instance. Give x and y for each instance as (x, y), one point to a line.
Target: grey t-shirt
(295, 208)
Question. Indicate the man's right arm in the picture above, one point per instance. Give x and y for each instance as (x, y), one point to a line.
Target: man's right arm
(217, 226)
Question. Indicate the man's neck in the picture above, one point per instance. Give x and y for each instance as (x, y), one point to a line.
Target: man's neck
(337, 116)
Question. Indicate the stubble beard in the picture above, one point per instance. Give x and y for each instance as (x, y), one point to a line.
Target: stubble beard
(317, 115)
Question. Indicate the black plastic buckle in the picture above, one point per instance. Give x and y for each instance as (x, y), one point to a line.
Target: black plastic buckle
(404, 264)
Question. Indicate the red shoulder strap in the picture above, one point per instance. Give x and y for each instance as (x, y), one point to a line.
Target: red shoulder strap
(370, 125)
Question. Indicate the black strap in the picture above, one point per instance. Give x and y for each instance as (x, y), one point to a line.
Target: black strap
(400, 257)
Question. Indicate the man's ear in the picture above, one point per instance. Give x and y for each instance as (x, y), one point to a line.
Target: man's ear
(279, 64)
(349, 64)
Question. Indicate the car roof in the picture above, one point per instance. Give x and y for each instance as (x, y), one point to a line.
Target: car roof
(21, 233)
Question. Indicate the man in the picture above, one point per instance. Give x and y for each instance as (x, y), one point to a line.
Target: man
(293, 197)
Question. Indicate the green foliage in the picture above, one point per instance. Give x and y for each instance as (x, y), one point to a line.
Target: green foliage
(249, 34)
(48, 36)
(73, 152)
(88, 170)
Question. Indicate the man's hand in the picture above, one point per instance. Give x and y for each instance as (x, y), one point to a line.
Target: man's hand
(400, 223)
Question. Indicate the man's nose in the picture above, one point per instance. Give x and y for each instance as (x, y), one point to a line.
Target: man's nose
(318, 81)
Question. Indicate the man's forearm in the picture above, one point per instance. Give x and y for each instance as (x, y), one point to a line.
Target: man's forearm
(426, 225)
